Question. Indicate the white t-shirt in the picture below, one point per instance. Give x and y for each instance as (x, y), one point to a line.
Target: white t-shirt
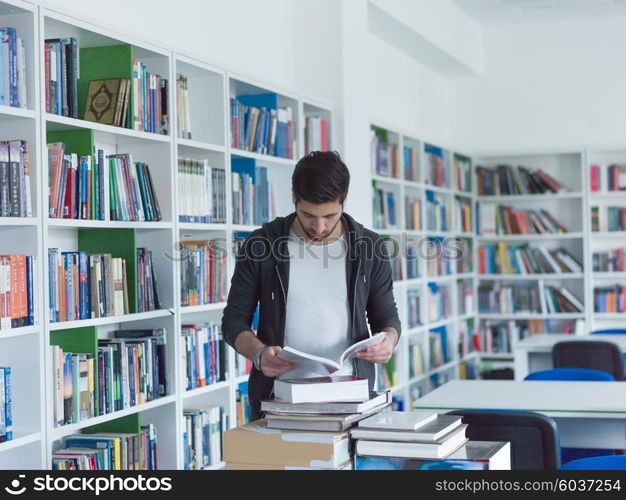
(318, 312)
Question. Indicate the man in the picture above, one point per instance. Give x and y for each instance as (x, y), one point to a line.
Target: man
(317, 273)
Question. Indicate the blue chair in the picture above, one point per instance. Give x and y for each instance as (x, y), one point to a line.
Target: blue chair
(571, 374)
(610, 462)
(591, 354)
(533, 436)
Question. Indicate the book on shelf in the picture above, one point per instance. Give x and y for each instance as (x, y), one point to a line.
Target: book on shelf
(18, 291)
(243, 366)
(412, 262)
(595, 178)
(203, 272)
(438, 344)
(465, 290)
(325, 366)
(15, 184)
(384, 207)
(259, 124)
(508, 258)
(438, 258)
(507, 299)
(561, 300)
(73, 375)
(203, 349)
(242, 401)
(416, 360)
(201, 192)
(474, 455)
(411, 163)
(413, 298)
(609, 299)
(183, 107)
(383, 447)
(249, 444)
(107, 100)
(319, 389)
(506, 180)
(319, 422)
(437, 166)
(615, 177)
(6, 404)
(595, 219)
(463, 173)
(276, 406)
(61, 76)
(497, 219)
(412, 212)
(463, 207)
(610, 261)
(12, 69)
(254, 196)
(616, 218)
(438, 212)
(384, 154)
(203, 436)
(438, 302)
(316, 134)
(148, 298)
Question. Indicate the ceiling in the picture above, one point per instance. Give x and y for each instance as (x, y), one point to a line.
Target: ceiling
(503, 11)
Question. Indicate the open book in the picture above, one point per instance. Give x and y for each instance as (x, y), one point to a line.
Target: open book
(324, 366)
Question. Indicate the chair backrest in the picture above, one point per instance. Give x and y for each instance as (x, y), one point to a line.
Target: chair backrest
(571, 374)
(591, 354)
(533, 437)
(609, 462)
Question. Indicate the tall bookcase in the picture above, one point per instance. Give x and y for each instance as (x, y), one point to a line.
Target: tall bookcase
(433, 351)
(27, 349)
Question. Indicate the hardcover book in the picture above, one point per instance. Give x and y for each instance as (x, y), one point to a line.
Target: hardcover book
(104, 101)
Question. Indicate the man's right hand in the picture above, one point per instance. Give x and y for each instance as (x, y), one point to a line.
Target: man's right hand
(272, 365)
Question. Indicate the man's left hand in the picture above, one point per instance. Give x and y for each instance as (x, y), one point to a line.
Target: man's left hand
(379, 353)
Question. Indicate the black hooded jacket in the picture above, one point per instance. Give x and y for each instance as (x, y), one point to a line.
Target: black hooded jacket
(262, 275)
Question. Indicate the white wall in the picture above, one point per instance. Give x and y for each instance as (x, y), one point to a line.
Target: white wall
(544, 85)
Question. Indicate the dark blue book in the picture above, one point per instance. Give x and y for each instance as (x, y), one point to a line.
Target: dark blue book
(8, 403)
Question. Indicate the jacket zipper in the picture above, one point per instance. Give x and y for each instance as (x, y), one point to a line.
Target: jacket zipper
(356, 281)
(280, 280)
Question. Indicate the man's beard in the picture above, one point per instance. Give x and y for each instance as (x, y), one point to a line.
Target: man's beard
(313, 237)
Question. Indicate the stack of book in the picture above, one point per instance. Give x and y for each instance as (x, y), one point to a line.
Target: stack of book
(201, 192)
(609, 299)
(108, 451)
(494, 219)
(316, 134)
(505, 180)
(202, 437)
(18, 297)
(15, 195)
(503, 258)
(611, 261)
(6, 404)
(183, 117)
(288, 429)
(422, 435)
(202, 273)
(203, 350)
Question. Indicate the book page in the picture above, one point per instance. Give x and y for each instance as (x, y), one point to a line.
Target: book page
(351, 351)
(309, 362)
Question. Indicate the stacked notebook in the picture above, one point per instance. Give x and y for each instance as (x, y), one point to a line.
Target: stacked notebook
(299, 435)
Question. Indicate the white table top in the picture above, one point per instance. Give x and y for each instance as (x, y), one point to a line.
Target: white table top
(544, 342)
(553, 398)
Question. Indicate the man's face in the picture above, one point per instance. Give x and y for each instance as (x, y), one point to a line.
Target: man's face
(318, 220)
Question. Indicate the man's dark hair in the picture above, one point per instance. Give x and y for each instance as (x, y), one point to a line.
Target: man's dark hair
(320, 177)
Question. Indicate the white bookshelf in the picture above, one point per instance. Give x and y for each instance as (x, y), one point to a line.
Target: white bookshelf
(27, 349)
(407, 385)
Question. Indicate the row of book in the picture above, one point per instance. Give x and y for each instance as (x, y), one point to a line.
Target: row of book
(438, 302)
(615, 219)
(316, 134)
(242, 403)
(506, 180)
(85, 187)
(88, 286)
(203, 273)
(498, 338)
(465, 255)
(463, 173)
(149, 111)
(611, 261)
(202, 437)
(412, 263)
(254, 196)
(128, 369)
(384, 208)
(15, 186)
(109, 451)
(438, 260)
(12, 69)
(438, 346)
(6, 404)
(466, 338)
(384, 156)
(259, 125)
(203, 349)
(497, 219)
(465, 290)
(609, 299)
(416, 360)
(201, 192)
(438, 212)
(18, 291)
(413, 301)
(243, 366)
(396, 268)
(463, 208)
(183, 107)
(436, 168)
(503, 258)
(412, 211)
(61, 76)
(411, 163)
(615, 178)
(519, 298)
